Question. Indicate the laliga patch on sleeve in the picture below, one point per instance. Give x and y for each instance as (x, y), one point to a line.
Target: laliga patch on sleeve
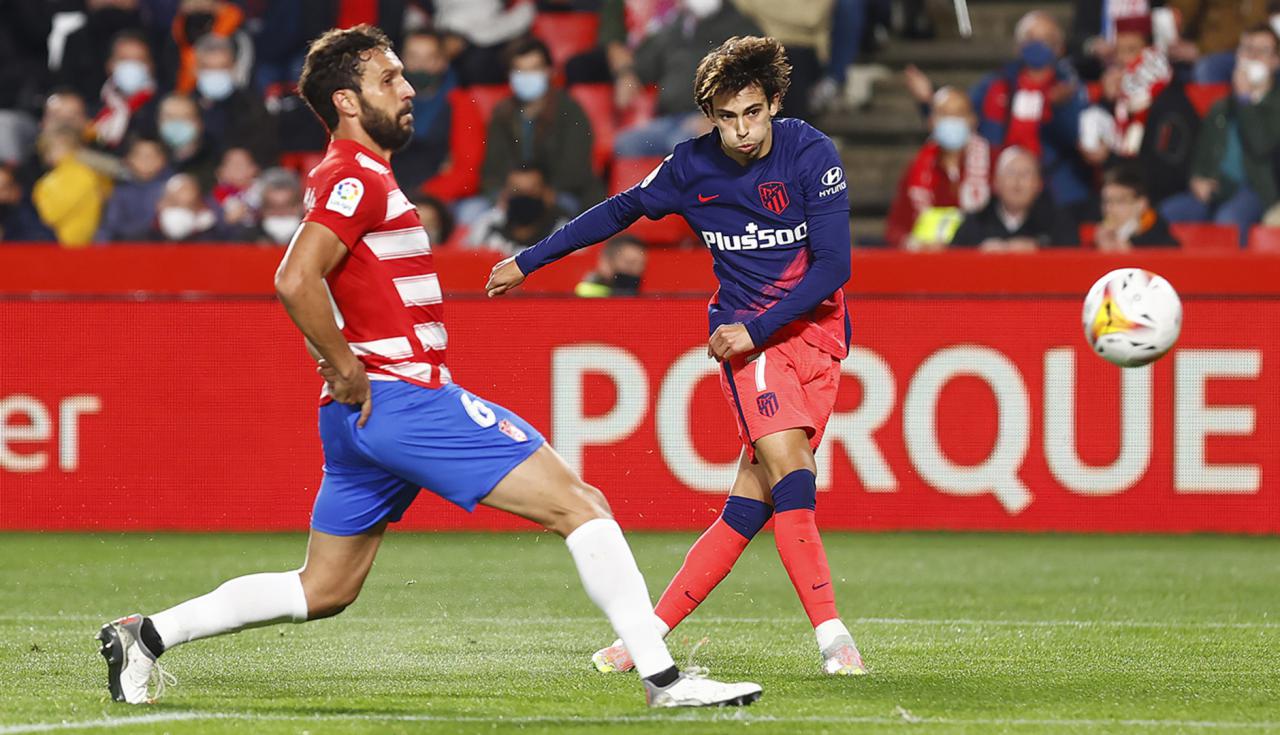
(346, 196)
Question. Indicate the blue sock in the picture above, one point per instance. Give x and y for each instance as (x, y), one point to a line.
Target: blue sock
(796, 491)
(746, 515)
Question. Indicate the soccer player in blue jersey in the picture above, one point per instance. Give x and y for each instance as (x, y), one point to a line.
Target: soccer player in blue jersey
(360, 283)
(769, 198)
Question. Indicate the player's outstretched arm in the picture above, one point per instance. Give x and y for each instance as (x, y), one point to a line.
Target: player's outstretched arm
(505, 276)
(300, 284)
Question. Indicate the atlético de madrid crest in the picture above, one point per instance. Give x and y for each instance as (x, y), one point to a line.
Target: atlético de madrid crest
(773, 195)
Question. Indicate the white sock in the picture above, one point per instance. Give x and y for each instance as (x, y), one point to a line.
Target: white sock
(614, 583)
(243, 602)
(828, 632)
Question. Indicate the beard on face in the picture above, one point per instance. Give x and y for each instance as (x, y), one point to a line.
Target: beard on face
(385, 130)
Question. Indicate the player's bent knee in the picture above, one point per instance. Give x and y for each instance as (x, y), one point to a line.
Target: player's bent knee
(326, 598)
(579, 503)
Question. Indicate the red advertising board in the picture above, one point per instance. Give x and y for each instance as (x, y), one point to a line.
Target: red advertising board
(955, 413)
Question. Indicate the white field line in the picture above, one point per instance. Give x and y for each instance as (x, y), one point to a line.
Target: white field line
(687, 717)
(442, 617)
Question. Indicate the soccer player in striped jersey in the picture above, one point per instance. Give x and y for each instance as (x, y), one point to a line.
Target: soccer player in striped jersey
(769, 198)
(359, 283)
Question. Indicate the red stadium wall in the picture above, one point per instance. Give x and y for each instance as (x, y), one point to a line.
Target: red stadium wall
(975, 411)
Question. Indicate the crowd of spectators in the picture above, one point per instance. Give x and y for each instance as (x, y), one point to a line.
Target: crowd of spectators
(1101, 132)
(179, 121)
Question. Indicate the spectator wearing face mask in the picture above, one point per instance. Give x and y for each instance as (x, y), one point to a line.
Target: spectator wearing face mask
(444, 157)
(133, 203)
(18, 219)
(949, 178)
(541, 126)
(183, 215)
(282, 208)
(1019, 218)
(233, 115)
(87, 49)
(70, 196)
(1233, 180)
(195, 20)
(1035, 103)
(669, 57)
(181, 129)
(618, 272)
(129, 92)
(525, 213)
(1128, 221)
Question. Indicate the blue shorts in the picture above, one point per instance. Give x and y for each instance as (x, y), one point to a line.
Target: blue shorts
(445, 440)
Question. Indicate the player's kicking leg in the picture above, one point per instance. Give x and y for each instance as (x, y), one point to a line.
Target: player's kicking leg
(331, 578)
(544, 490)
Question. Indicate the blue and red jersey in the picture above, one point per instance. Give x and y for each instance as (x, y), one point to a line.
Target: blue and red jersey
(777, 229)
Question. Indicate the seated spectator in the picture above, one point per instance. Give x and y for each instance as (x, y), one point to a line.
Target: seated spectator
(1138, 75)
(128, 93)
(1035, 103)
(543, 127)
(447, 150)
(482, 28)
(1128, 221)
(237, 189)
(183, 215)
(952, 171)
(1020, 218)
(282, 207)
(195, 20)
(668, 57)
(18, 219)
(435, 217)
(69, 198)
(132, 206)
(87, 49)
(233, 114)
(525, 213)
(1233, 180)
(182, 131)
(619, 271)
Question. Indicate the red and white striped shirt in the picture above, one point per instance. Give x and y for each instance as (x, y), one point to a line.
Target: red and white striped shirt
(385, 293)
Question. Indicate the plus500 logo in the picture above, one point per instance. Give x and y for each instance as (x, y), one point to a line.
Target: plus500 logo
(756, 238)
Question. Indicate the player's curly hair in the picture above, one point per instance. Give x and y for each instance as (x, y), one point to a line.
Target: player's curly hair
(741, 62)
(335, 61)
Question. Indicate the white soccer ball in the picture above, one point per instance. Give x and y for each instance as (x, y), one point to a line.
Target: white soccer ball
(1132, 317)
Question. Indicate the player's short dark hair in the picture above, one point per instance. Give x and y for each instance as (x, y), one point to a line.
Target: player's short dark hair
(1128, 176)
(741, 62)
(525, 46)
(335, 61)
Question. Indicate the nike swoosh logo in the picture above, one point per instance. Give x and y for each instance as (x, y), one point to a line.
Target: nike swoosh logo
(696, 601)
(820, 586)
(704, 200)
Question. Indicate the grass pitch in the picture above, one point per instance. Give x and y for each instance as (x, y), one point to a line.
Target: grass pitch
(477, 633)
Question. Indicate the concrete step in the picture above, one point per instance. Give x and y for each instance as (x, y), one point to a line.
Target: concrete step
(873, 172)
(992, 21)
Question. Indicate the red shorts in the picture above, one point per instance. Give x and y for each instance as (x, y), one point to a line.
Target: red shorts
(788, 385)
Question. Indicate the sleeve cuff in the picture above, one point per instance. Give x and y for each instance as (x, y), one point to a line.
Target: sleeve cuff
(757, 331)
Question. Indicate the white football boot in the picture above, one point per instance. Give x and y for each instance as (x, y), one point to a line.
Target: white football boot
(692, 690)
(133, 676)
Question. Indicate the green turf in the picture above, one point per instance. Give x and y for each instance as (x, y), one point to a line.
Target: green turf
(472, 633)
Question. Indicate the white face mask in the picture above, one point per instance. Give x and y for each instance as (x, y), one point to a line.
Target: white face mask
(1275, 23)
(280, 227)
(179, 223)
(703, 8)
(1257, 72)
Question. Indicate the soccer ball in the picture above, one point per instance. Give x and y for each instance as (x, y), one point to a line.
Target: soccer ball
(1132, 317)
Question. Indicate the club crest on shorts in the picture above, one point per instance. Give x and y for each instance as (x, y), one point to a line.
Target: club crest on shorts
(773, 195)
(767, 404)
(513, 431)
